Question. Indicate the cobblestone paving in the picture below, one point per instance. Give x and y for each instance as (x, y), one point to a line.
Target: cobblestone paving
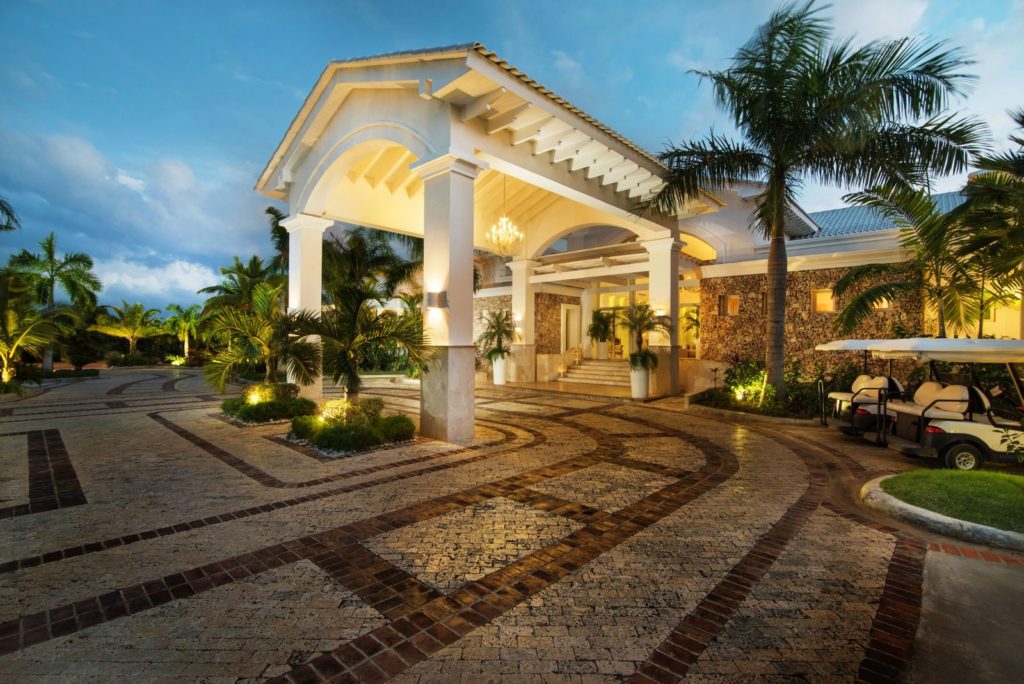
(573, 540)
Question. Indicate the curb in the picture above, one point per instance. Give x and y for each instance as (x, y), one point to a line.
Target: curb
(741, 416)
(873, 496)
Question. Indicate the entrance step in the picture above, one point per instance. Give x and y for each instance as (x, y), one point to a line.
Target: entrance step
(612, 372)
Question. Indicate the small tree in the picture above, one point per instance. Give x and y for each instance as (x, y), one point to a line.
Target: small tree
(602, 326)
(131, 322)
(263, 334)
(499, 332)
(23, 329)
(640, 319)
(183, 322)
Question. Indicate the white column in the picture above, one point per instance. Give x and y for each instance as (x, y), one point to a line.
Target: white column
(305, 278)
(447, 390)
(587, 297)
(663, 297)
(524, 348)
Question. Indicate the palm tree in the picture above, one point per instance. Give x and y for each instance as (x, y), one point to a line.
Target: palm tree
(240, 280)
(8, 219)
(262, 333)
(811, 109)
(994, 210)
(364, 260)
(641, 319)
(362, 273)
(934, 268)
(47, 271)
(132, 322)
(23, 328)
(279, 238)
(183, 322)
(499, 332)
(348, 335)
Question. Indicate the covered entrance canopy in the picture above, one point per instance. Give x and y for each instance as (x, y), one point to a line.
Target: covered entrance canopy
(439, 143)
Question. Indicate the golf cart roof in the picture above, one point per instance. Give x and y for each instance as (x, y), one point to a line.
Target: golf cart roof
(847, 345)
(937, 349)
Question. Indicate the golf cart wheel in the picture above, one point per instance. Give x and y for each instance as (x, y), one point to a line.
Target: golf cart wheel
(962, 457)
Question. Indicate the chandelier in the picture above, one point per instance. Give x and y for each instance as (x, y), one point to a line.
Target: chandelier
(503, 235)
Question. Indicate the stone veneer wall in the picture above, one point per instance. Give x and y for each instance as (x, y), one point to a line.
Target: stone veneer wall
(728, 338)
(548, 321)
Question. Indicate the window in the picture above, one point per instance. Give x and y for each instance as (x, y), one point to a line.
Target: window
(822, 302)
(728, 305)
(990, 314)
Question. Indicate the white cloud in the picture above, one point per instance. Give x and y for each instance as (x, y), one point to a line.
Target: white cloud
(874, 19)
(178, 279)
(136, 184)
(164, 204)
(570, 69)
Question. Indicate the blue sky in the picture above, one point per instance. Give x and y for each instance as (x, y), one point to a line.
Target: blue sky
(136, 129)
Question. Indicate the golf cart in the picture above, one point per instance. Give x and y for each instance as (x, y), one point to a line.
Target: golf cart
(955, 423)
(857, 410)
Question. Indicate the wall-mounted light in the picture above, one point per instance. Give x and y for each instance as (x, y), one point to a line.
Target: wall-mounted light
(437, 300)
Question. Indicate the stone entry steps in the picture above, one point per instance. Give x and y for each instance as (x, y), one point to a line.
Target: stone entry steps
(614, 373)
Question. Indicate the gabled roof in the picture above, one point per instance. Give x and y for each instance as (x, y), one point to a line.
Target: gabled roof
(651, 160)
(853, 220)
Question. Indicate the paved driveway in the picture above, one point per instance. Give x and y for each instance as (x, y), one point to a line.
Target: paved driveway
(144, 539)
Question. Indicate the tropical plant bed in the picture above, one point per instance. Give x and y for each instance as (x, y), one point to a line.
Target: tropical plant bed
(726, 400)
(343, 428)
(984, 497)
(267, 403)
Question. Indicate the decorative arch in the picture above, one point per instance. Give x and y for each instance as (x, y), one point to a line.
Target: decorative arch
(335, 162)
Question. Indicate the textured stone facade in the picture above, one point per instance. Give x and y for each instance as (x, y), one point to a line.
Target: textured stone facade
(728, 338)
(482, 305)
(548, 325)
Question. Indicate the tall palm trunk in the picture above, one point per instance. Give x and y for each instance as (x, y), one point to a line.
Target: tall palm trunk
(981, 307)
(186, 346)
(48, 352)
(939, 303)
(775, 305)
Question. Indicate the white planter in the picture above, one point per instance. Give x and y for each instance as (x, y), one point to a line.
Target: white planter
(602, 351)
(639, 382)
(499, 370)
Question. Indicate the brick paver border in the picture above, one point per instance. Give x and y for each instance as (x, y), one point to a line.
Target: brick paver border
(119, 389)
(52, 480)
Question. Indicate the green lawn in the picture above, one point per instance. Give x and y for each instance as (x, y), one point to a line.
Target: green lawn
(995, 499)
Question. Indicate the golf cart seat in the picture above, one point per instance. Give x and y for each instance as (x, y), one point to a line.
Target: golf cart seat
(864, 391)
(932, 400)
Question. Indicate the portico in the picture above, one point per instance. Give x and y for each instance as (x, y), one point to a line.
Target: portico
(439, 144)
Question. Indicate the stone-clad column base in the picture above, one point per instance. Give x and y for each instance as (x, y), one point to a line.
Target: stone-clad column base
(524, 363)
(665, 379)
(446, 395)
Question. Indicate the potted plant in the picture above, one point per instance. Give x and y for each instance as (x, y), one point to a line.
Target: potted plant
(602, 330)
(640, 319)
(496, 339)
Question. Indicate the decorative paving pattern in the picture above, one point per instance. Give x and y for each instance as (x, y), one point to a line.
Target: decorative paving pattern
(466, 545)
(605, 486)
(52, 480)
(570, 541)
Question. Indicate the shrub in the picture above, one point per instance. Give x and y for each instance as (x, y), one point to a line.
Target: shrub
(270, 391)
(303, 427)
(397, 428)
(11, 387)
(369, 409)
(264, 411)
(346, 437)
(352, 426)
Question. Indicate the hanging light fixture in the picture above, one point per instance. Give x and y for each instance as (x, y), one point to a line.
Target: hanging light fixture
(504, 236)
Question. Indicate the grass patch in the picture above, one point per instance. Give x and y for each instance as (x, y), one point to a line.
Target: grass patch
(989, 498)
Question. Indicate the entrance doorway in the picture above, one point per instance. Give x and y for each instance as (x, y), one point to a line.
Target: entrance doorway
(570, 327)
